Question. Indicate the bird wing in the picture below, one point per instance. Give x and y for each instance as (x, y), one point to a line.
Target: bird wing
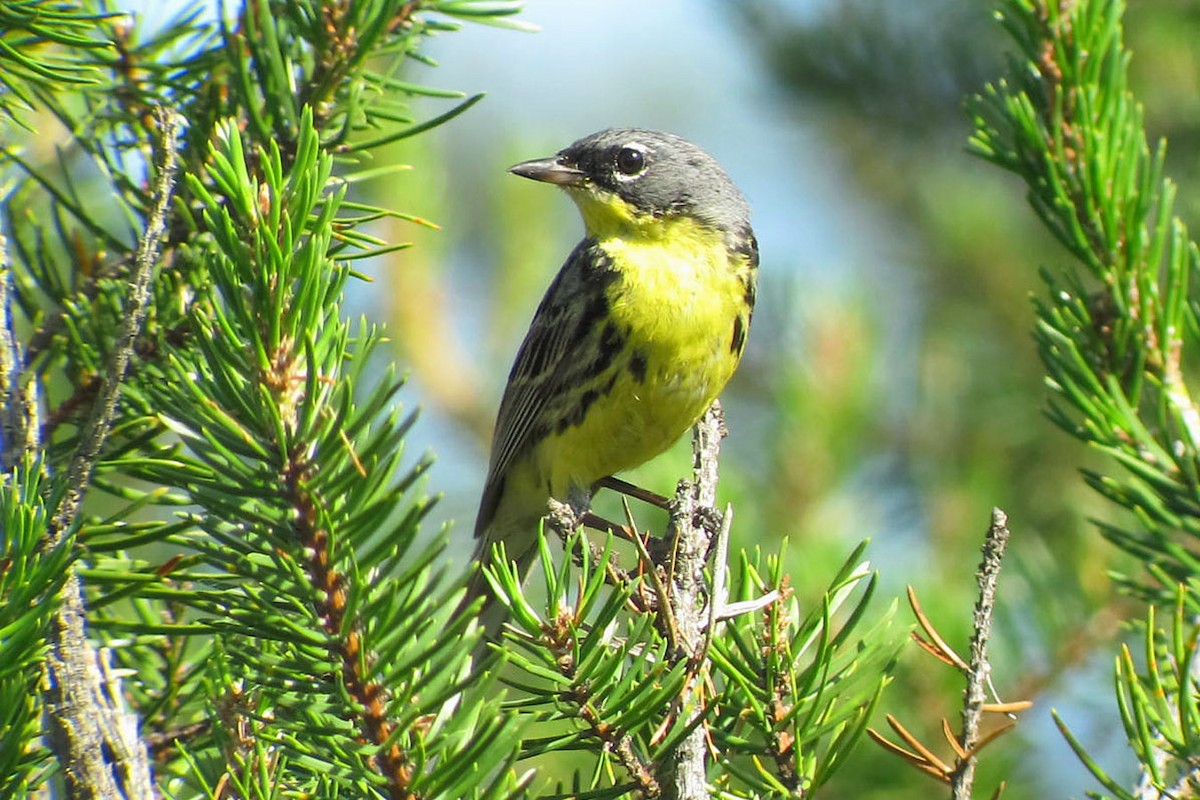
(547, 364)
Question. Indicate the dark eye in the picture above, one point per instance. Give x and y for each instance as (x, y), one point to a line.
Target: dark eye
(630, 161)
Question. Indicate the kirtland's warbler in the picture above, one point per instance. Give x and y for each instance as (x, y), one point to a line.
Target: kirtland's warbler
(636, 336)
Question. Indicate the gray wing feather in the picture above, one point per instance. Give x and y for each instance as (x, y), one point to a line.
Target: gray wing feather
(541, 372)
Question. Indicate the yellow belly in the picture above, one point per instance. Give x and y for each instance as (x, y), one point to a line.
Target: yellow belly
(678, 310)
(626, 428)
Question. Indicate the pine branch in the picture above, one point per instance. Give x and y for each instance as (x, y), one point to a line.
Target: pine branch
(721, 694)
(309, 624)
(85, 708)
(43, 44)
(308, 557)
(692, 528)
(979, 669)
(137, 304)
(342, 628)
(338, 43)
(958, 773)
(1159, 709)
(18, 419)
(31, 580)
(1113, 336)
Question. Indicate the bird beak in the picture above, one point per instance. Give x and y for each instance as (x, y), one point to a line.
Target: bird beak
(549, 170)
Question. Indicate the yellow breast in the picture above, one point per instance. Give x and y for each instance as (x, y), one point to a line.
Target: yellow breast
(682, 309)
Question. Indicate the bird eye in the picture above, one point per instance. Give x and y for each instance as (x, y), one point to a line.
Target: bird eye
(630, 161)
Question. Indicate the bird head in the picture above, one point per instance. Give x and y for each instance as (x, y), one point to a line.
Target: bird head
(628, 176)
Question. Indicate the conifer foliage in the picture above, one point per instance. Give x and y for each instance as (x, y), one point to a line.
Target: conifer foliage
(268, 624)
(1118, 336)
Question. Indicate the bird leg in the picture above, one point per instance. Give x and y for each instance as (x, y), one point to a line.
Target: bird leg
(599, 523)
(565, 518)
(636, 492)
(627, 532)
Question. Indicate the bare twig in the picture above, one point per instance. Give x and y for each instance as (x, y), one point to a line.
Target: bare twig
(683, 772)
(980, 668)
(95, 740)
(967, 744)
(636, 492)
(18, 433)
(95, 430)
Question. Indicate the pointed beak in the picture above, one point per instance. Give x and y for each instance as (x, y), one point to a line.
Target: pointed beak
(549, 170)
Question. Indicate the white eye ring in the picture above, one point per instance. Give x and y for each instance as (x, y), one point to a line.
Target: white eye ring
(630, 162)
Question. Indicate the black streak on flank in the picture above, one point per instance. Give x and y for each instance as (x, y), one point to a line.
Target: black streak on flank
(637, 366)
(585, 402)
(611, 342)
(745, 245)
(739, 335)
(577, 414)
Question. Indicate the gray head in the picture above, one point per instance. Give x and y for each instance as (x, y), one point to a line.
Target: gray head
(655, 173)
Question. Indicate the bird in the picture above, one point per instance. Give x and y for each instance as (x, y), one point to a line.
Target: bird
(636, 336)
